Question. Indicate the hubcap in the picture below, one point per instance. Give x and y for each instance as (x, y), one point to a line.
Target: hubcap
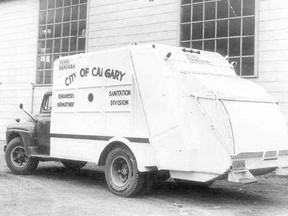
(120, 171)
(19, 157)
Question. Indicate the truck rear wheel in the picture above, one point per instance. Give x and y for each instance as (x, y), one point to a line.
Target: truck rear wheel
(121, 173)
(73, 165)
(17, 160)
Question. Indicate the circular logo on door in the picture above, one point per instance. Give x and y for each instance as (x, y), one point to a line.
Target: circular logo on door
(90, 97)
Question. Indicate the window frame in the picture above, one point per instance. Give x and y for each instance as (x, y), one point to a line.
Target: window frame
(256, 33)
(70, 37)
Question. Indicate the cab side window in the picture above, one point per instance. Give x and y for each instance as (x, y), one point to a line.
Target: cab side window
(46, 104)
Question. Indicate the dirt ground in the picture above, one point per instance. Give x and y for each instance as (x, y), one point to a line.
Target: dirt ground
(53, 190)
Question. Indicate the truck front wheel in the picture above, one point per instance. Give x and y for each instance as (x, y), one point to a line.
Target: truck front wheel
(17, 160)
(121, 173)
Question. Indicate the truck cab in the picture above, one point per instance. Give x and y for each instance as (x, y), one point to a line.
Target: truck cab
(35, 131)
(42, 129)
(27, 141)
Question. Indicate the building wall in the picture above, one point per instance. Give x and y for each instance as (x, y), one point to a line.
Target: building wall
(119, 22)
(273, 49)
(18, 44)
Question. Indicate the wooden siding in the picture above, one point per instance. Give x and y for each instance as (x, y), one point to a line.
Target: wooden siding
(116, 23)
(18, 47)
(273, 50)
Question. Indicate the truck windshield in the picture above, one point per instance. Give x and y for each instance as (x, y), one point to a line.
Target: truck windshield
(46, 104)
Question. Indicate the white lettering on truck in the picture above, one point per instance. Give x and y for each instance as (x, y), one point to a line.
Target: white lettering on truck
(65, 104)
(119, 93)
(65, 100)
(66, 65)
(119, 102)
(100, 71)
(70, 79)
(69, 95)
(96, 72)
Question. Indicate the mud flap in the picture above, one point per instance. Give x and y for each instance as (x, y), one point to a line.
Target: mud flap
(241, 176)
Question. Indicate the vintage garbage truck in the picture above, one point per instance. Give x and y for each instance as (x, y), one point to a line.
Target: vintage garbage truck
(152, 108)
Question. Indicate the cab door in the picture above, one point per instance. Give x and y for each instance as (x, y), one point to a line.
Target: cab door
(43, 125)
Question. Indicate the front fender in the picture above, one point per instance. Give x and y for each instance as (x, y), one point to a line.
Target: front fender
(27, 135)
(143, 153)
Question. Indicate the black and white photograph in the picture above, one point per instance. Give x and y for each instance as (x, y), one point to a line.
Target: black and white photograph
(143, 107)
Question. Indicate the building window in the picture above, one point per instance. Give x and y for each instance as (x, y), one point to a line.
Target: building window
(223, 26)
(62, 27)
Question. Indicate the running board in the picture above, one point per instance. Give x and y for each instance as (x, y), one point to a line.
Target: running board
(241, 176)
(282, 171)
(40, 156)
(44, 157)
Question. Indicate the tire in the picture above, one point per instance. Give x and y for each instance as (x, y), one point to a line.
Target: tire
(121, 173)
(73, 165)
(17, 160)
(185, 184)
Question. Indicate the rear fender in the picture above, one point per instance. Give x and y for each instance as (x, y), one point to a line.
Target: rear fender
(143, 153)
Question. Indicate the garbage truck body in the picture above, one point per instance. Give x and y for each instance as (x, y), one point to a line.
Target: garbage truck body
(145, 108)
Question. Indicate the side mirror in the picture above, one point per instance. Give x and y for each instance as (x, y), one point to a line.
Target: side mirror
(21, 107)
(234, 64)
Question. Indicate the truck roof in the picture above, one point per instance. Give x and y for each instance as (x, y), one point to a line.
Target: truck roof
(211, 71)
(204, 62)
